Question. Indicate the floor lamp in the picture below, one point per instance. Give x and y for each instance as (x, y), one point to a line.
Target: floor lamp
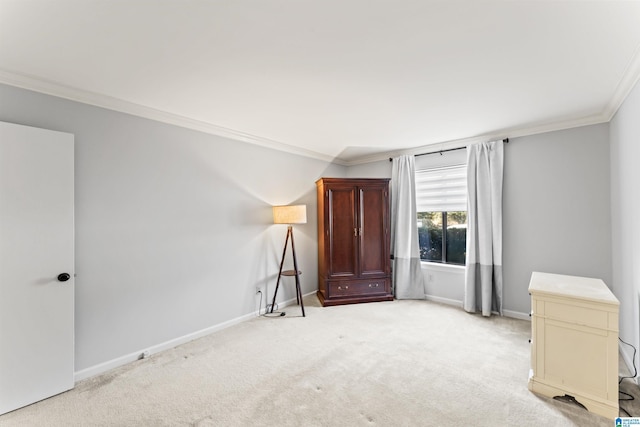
(296, 214)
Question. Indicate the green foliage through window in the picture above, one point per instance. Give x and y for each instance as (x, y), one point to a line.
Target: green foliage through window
(443, 236)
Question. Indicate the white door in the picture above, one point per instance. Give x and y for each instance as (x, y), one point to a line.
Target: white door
(36, 251)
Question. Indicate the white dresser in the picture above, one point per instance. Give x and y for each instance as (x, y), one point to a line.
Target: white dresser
(574, 342)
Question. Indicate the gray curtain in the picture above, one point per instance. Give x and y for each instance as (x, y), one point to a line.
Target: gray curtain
(408, 282)
(483, 278)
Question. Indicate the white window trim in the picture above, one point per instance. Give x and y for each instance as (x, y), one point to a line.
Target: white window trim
(441, 266)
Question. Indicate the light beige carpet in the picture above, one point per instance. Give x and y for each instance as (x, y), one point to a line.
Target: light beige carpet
(399, 363)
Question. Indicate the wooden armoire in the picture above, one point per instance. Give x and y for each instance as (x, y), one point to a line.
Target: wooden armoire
(353, 241)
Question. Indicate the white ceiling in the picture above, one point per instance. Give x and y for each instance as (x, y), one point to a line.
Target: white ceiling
(351, 80)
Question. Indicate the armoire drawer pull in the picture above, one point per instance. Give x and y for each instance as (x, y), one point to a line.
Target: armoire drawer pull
(341, 288)
(373, 285)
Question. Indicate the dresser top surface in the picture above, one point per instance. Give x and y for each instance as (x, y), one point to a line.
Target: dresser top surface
(585, 288)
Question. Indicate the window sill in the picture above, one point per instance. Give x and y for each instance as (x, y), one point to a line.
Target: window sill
(441, 267)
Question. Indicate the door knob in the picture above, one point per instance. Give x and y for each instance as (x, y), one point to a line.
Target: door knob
(63, 277)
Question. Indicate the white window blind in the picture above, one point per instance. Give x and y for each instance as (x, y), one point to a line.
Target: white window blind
(442, 189)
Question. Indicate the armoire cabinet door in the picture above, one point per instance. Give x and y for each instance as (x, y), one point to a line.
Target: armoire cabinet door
(373, 229)
(342, 226)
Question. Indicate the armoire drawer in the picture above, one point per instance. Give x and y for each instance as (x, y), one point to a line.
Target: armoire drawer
(358, 287)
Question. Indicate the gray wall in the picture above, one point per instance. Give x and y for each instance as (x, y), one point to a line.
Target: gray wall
(556, 208)
(555, 211)
(625, 205)
(173, 227)
(380, 169)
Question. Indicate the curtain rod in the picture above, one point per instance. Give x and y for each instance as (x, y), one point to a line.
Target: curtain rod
(505, 140)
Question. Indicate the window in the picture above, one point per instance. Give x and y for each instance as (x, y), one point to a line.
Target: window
(441, 198)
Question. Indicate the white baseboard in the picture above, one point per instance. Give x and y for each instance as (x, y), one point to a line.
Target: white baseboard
(456, 303)
(136, 355)
(132, 357)
(517, 315)
(283, 304)
(441, 300)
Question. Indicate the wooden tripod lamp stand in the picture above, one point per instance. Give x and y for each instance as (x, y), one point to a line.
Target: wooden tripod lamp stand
(296, 214)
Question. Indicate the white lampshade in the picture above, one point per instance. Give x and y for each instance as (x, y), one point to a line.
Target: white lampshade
(296, 214)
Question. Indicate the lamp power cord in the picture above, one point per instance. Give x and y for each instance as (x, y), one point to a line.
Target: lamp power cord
(623, 396)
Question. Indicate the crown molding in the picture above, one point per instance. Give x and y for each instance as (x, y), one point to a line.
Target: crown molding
(103, 101)
(624, 87)
(499, 134)
(626, 84)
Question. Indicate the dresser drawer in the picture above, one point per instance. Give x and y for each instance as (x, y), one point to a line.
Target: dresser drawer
(588, 316)
(358, 287)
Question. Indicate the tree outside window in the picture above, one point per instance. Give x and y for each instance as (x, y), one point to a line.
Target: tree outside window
(443, 236)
